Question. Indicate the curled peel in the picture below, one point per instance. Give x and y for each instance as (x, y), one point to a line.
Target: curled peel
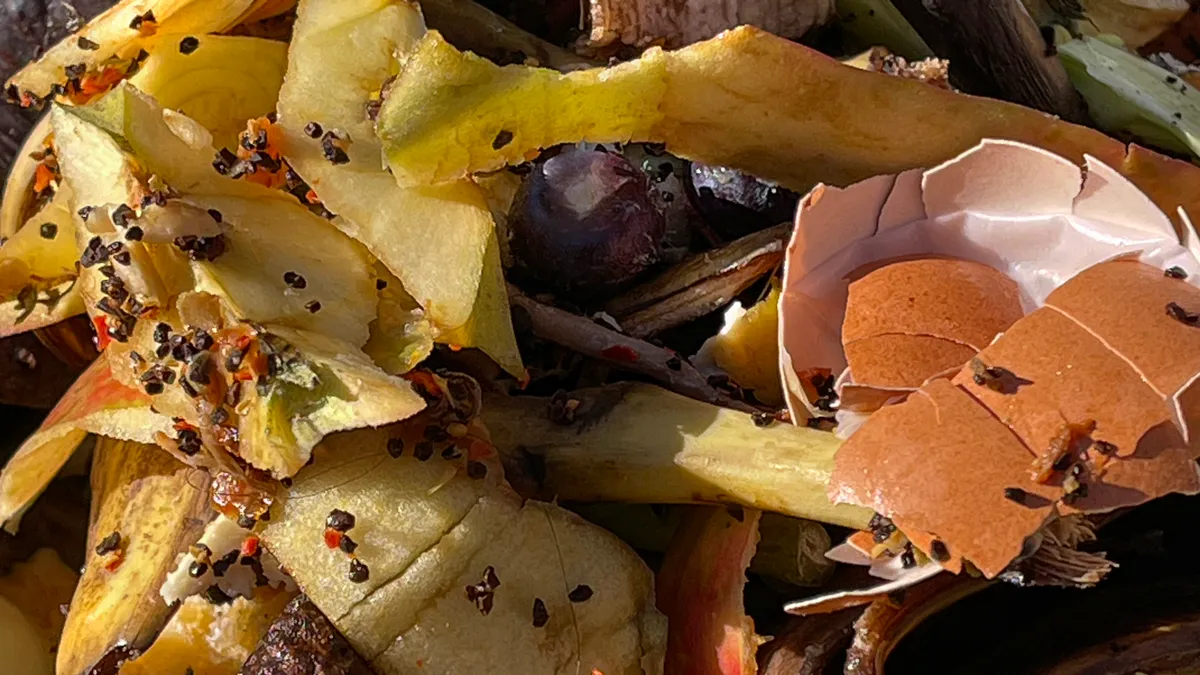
(96, 403)
(1032, 215)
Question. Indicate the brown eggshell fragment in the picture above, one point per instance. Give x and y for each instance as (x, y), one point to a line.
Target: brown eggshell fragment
(940, 462)
(923, 541)
(1059, 374)
(1130, 481)
(1125, 304)
(958, 300)
(900, 360)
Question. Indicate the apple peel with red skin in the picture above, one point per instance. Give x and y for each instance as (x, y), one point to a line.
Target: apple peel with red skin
(699, 588)
(95, 404)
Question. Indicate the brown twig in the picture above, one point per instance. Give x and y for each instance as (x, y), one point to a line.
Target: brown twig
(621, 351)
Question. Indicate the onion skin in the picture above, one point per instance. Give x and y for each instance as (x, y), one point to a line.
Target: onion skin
(583, 223)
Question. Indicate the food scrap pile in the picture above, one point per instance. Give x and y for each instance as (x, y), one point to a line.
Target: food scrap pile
(390, 337)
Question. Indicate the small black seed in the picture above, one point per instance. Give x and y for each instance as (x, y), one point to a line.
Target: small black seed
(215, 215)
(215, 596)
(1175, 311)
(675, 363)
(347, 544)
(87, 44)
(295, 280)
(502, 139)
(313, 130)
(1015, 495)
(1175, 273)
(762, 419)
(312, 306)
(423, 451)
(49, 230)
(162, 332)
(581, 593)
(109, 544)
(380, 284)
(451, 452)
(123, 258)
(908, 559)
(154, 388)
(359, 572)
(246, 521)
(134, 233)
(197, 569)
(188, 45)
(540, 616)
(340, 521)
(395, 447)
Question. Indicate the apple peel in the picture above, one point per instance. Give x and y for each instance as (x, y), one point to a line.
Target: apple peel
(700, 589)
(95, 404)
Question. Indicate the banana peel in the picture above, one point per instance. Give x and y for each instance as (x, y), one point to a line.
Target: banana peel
(439, 241)
(814, 121)
(95, 403)
(147, 498)
(110, 36)
(225, 81)
(429, 520)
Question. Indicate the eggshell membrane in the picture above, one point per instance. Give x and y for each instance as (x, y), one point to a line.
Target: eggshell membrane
(1123, 303)
(940, 462)
(1033, 216)
(839, 600)
(1064, 375)
(900, 360)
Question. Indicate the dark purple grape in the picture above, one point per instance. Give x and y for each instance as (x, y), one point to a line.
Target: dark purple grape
(736, 203)
(583, 223)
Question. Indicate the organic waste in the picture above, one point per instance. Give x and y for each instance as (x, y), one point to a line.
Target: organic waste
(397, 337)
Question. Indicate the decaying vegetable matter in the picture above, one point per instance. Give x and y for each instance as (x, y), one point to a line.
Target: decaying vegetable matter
(616, 337)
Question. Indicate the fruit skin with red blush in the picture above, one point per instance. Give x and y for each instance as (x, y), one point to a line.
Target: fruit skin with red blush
(583, 223)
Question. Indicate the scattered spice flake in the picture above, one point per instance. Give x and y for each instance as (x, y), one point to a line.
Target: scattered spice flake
(48, 230)
(295, 280)
(333, 538)
(359, 572)
(502, 139)
(102, 339)
(581, 593)
(312, 306)
(333, 148)
(86, 44)
(188, 45)
(43, 178)
(215, 596)
(1175, 273)
(622, 353)
(540, 615)
(348, 545)
(250, 546)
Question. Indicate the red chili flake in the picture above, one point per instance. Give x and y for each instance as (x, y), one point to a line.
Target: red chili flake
(620, 353)
(102, 337)
(114, 563)
(333, 538)
(250, 547)
(43, 178)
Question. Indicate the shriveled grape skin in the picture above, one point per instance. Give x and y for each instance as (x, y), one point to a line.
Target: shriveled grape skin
(583, 223)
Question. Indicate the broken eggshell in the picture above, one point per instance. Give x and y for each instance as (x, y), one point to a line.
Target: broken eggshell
(1034, 216)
